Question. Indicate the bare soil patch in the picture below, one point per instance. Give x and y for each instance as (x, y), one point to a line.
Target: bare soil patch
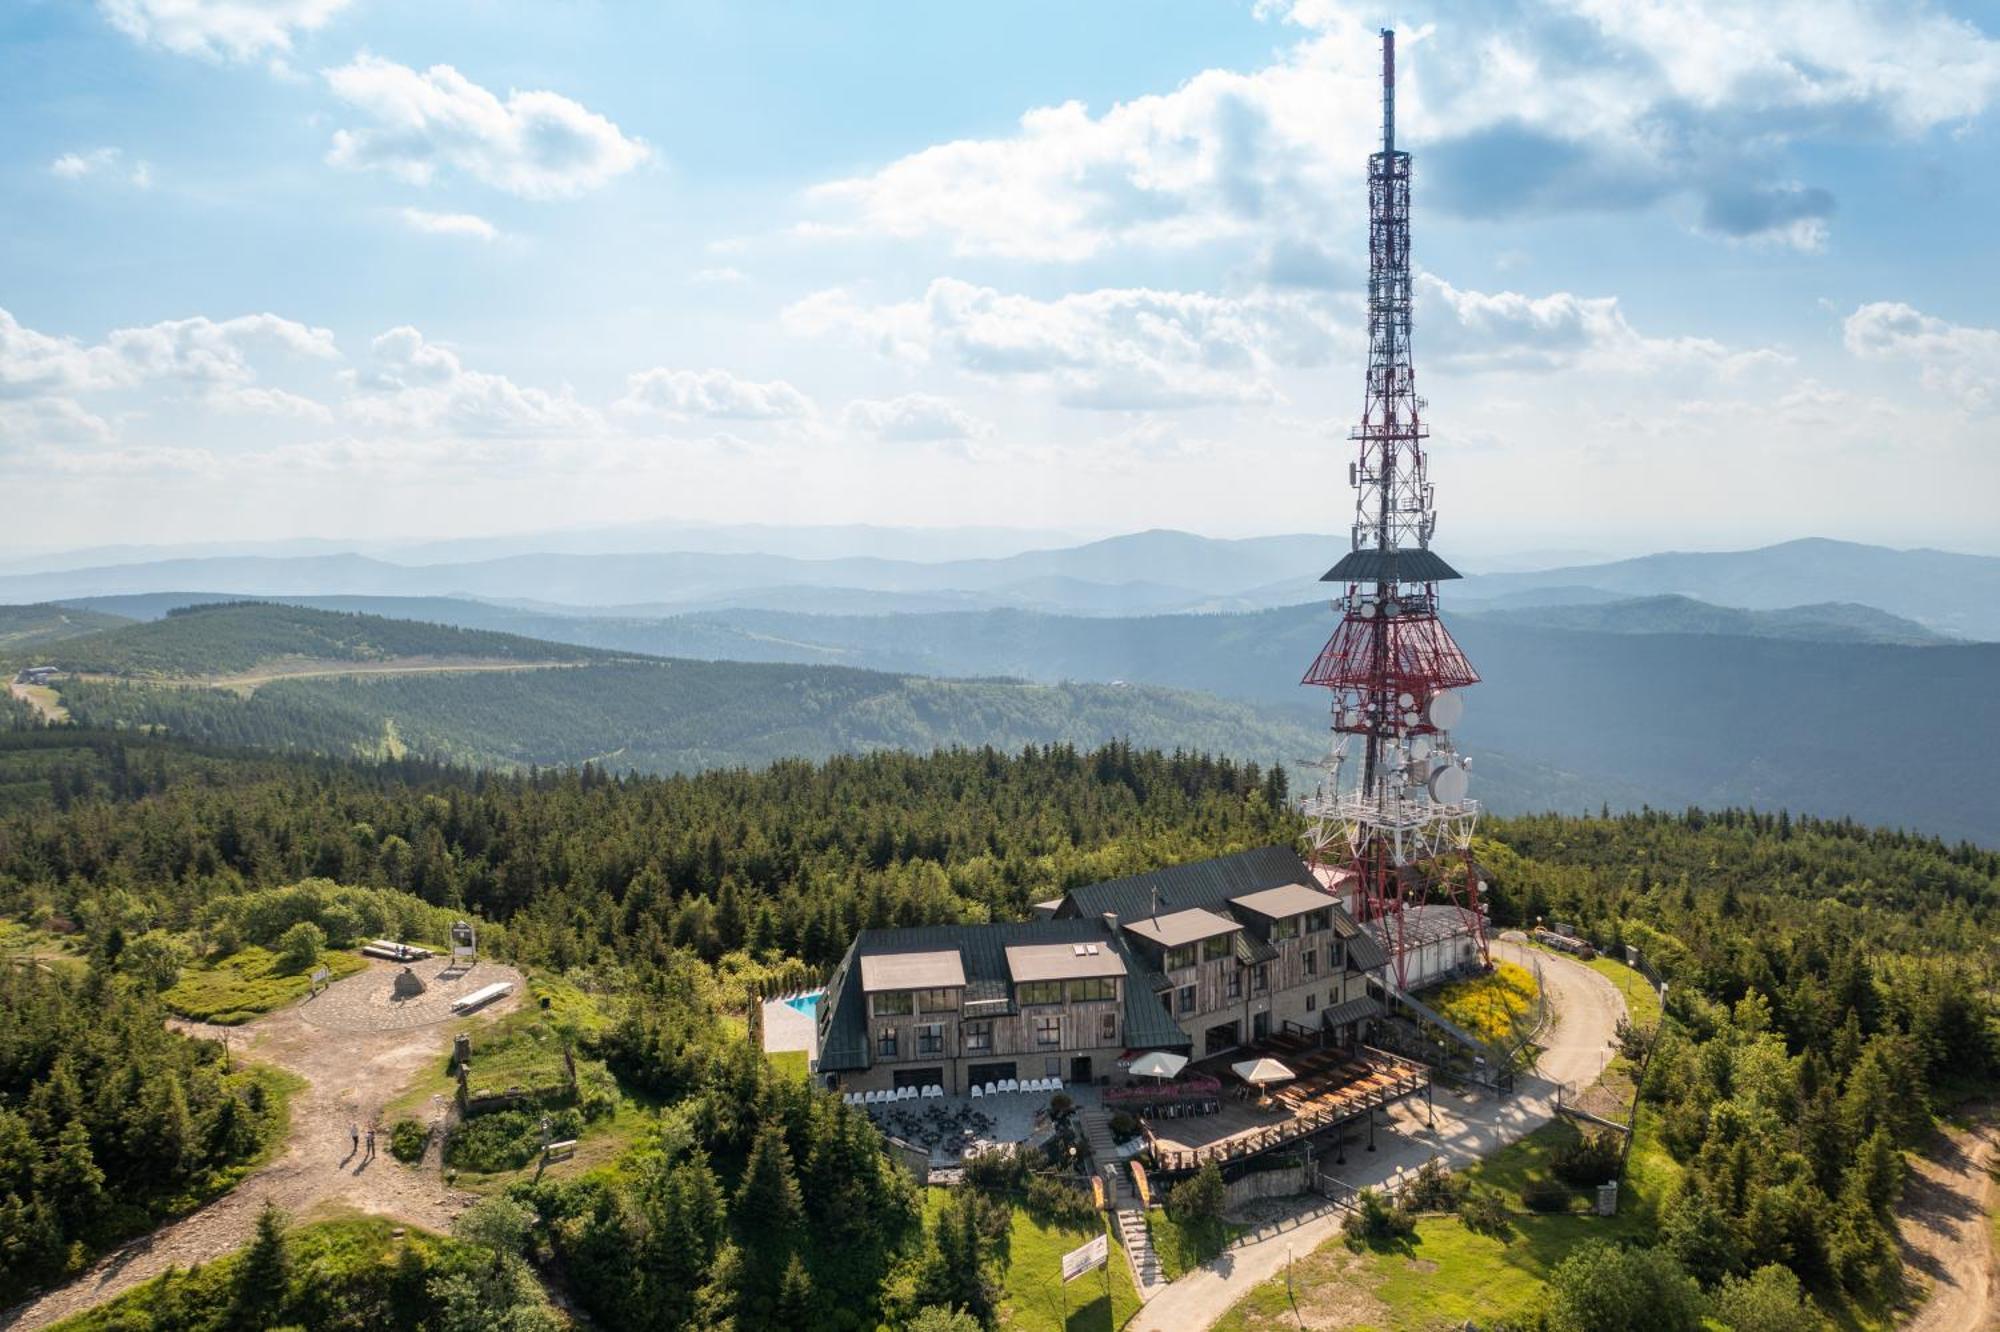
(1945, 1224)
(351, 1076)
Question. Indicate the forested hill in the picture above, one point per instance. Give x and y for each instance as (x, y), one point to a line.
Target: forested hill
(24, 628)
(230, 638)
(682, 716)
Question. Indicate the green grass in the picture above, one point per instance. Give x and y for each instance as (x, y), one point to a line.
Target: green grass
(1183, 1246)
(1640, 1000)
(1489, 1006)
(792, 1063)
(1034, 1299)
(247, 984)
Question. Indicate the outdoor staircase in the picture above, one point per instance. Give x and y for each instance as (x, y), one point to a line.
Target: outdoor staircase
(1127, 1212)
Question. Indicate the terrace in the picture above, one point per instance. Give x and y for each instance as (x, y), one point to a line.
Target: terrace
(1332, 1087)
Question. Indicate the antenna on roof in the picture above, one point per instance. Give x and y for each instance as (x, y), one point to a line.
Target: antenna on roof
(1156, 899)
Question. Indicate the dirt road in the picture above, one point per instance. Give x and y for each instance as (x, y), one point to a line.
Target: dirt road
(351, 1076)
(1946, 1226)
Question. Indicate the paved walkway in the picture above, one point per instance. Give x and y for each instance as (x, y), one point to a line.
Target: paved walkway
(1469, 1126)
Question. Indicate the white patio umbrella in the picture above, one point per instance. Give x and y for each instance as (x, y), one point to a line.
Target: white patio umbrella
(1160, 1064)
(1261, 1073)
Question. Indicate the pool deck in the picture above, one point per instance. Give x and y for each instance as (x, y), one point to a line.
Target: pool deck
(785, 1028)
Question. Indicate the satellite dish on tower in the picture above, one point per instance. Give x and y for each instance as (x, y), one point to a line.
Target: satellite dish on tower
(1444, 710)
(1420, 746)
(1447, 785)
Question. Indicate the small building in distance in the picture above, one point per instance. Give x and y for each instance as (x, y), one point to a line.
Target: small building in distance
(1198, 959)
(36, 675)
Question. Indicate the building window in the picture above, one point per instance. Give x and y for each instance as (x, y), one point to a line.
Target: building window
(1311, 956)
(930, 1038)
(1107, 1029)
(1333, 956)
(894, 1004)
(1184, 1000)
(978, 1037)
(1260, 978)
(1311, 999)
(885, 1043)
(1180, 957)
(1318, 920)
(1048, 1031)
(1221, 947)
(1233, 986)
(1282, 930)
(937, 1001)
(1039, 992)
(1084, 991)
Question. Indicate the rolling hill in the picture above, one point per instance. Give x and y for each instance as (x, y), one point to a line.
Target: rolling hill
(25, 627)
(236, 637)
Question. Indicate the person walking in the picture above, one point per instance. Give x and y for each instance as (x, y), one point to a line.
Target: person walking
(353, 1138)
(371, 1144)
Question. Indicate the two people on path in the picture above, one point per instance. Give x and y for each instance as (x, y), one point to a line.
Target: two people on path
(354, 1143)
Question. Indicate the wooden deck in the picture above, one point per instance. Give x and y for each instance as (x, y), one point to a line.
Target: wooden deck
(1333, 1087)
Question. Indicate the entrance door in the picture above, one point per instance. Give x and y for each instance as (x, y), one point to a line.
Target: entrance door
(1260, 1026)
(1222, 1036)
(919, 1078)
(1079, 1069)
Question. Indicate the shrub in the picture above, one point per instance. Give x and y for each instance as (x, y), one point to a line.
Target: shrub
(1375, 1222)
(1057, 1202)
(1545, 1195)
(1768, 1300)
(1124, 1127)
(407, 1139)
(1485, 1212)
(997, 1173)
(1199, 1197)
(506, 1139)
(1434, 1189)
(1587, 1162)
(1639, 1290)
(299, 947)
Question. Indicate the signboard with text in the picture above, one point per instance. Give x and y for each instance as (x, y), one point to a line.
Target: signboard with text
(1086, 1258)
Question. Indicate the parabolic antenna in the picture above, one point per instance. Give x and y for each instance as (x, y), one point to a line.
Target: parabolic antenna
(1445, 710)
(1420, 746)
(1448, 785)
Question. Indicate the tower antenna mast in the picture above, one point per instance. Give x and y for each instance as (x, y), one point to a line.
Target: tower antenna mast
(1395, 836)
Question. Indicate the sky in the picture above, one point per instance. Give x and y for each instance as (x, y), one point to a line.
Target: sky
(1692, 274)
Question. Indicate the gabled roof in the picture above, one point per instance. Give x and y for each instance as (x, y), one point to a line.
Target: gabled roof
(982, 951)
(1181, 927)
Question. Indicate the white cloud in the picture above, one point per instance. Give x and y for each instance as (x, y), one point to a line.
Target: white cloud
(102, 162)
(414, 384)
(1564, 105)
(50, 420)
(1506, 330)
(914, 418)
(448, 224)
(197, 350)
(219, 29)
(1962, 360)
(538, 145)
(720, 276)
(712, 393)
(1119, 348)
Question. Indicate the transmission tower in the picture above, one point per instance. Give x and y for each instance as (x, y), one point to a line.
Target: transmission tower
(1390, 819)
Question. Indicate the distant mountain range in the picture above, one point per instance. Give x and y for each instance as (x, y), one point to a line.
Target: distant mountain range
(1142, 573)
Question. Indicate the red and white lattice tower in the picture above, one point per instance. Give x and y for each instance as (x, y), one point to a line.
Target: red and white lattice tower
(1390, 826)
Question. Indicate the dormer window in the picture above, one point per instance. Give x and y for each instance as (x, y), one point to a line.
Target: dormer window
(1318, 920)
(1284, 929)
(1219, 949)
(894, 1003)
(1180, 957)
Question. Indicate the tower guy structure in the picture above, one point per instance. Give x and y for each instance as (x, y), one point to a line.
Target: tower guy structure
(1390, 827)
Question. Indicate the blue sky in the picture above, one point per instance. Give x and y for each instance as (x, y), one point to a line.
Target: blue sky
(1692, 273)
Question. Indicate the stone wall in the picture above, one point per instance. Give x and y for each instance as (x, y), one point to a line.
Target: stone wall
(1279, 1183)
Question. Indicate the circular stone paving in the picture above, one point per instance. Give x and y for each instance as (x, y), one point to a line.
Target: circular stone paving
(368, 1002)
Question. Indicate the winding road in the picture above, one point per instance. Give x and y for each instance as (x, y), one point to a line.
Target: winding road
(350, 1076)
(1586, 1009)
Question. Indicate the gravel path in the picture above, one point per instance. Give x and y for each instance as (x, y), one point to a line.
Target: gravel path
(1587, 1007)
(1945, 1222)
(351, 1076)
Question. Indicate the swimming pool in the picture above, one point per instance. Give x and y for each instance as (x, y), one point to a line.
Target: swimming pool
(807, 1003)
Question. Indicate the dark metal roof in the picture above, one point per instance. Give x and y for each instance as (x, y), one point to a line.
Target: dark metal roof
(1250, 950)
(1205, 883)
(843, 1036)
(1367, 1006)
(1390, 566)
(1365, 952)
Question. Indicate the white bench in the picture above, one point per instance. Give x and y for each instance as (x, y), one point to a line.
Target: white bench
(480, 997)
(557, 1151)
(392, 951)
